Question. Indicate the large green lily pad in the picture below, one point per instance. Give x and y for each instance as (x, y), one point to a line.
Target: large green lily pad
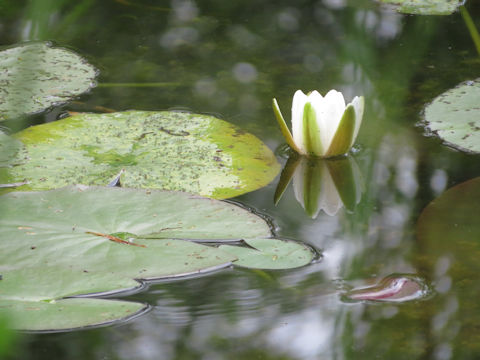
(454, 116)
(270, 254)
(426, 7)
(449, 233)
(35, 76)
(450, 222)
(57, 244)
(165, 150)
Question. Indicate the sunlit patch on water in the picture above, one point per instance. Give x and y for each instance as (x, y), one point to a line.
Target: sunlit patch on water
(393, 288)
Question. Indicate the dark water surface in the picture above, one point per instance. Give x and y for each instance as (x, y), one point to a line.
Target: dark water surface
(229, 58)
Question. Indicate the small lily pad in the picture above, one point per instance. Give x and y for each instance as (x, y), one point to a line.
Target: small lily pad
(270, 254)
(180, 151)
(426, 7)
(454, 116)
(35, 76)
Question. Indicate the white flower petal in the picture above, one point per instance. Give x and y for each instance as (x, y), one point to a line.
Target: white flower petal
(298, 104)
(330, 200)
(358, 104)
(329, 113)
(314, 96)
(298, 182)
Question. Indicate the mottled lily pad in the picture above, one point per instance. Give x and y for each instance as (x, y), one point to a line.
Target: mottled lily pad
(60, 243)
(35, 76)
(426, 7)
(161, 150)
(270, 254)
(454, 116)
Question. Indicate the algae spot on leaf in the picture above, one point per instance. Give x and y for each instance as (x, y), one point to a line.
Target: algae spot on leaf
(12, 152)
(35, 76)
(454, 116)
(161, 150)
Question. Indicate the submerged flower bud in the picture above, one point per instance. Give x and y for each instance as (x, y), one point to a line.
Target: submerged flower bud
(322, 126)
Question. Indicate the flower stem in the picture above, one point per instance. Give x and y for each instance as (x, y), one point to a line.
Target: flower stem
(471, 27)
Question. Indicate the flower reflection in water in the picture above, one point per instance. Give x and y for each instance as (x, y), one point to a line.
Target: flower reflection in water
(321, 184)
(393, 288)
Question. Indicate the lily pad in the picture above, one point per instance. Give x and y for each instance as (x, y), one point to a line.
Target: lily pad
(35, 76)
(426, 7)
(58, 244)
(68, 314)
(450, 223)
(454, 116)
(270, 254)
(449, 233)
(180, 151)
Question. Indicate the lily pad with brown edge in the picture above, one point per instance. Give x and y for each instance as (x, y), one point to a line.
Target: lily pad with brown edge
(35, 76)
(180, 151)
(79, 240)
(454, 116)
(426, 7)
(271, 254)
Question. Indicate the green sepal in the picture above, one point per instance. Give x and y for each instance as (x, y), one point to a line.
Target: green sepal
(311, 132)
(312, 185)
(283, 127)
(286, 177)
(343, 138)
(341, 171)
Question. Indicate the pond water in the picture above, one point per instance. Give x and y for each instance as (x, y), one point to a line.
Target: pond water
(229, 58)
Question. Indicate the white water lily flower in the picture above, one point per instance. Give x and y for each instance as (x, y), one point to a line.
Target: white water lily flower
(322, 126)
